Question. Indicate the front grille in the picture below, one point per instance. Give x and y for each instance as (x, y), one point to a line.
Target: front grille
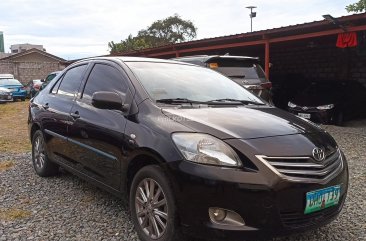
(305, 108)
(300, 220)
(306, 168)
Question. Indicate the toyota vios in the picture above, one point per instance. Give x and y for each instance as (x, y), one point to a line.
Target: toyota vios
(193, 151)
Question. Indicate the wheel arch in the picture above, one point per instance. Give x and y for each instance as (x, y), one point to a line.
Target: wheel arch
(33, 130)
(144, 157)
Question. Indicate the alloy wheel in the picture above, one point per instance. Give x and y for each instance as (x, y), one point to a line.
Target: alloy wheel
(151, 208)
(39, 152)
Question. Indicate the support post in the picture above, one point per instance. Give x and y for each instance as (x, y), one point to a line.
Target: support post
(266, 61)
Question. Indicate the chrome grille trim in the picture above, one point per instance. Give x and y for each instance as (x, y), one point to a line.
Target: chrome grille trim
(304, 169)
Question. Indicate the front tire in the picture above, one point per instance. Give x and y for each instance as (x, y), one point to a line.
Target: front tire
(41, 163)
(152, 206)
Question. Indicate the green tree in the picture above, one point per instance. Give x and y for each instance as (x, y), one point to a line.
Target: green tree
(360, 6)
(161, 32)
(130, 43)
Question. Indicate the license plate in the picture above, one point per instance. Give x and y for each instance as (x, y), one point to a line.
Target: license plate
(9, 97)
(321, 199)
(304, 115)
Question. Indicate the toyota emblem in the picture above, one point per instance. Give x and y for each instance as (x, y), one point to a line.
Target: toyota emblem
(318, 154)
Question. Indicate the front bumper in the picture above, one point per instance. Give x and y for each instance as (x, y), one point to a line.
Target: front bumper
(6, 97)
(317, 116)
(269, 205)
(19, 94)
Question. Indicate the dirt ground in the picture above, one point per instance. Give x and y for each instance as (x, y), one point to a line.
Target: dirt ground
(13, 127)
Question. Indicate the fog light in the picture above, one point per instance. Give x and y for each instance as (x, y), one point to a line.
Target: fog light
(225, 217)
(217, 214)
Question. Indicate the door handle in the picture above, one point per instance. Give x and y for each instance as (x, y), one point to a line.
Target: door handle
(75, 115)
(45, 106)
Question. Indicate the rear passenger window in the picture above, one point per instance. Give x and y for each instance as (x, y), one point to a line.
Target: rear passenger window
(70, 83)
(104, 78)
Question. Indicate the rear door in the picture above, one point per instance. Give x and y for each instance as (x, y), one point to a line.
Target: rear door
(97, 135)
(55, 116)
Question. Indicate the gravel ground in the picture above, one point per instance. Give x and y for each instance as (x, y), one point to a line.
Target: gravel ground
(67, 208)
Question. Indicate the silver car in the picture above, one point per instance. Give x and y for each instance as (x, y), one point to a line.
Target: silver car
(5, 95)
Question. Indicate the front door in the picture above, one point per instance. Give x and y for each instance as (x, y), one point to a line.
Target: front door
(97, 134)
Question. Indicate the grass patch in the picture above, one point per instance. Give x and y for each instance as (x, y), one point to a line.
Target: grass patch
(13, 214)
(6, 165)
(14, 130)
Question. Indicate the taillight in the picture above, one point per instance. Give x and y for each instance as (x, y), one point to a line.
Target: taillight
(36, 86)
(267, 85)
(22, 88)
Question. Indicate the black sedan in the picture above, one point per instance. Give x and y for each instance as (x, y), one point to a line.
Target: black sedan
(194, 152)
(329, 102)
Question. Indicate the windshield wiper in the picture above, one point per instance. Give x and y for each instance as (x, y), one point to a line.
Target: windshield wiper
(236, 76)
(179, 101)
(244, 102)
(226, 101)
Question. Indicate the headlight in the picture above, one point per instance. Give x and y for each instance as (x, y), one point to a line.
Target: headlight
(325, 107)
(206, 149)
(292, 105)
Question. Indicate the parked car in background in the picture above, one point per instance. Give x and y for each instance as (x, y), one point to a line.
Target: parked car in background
(48, 79)
(17, 89)
(5, 95)
(32, 87)
(193, 151)
(6, 76)
(246, 71)
(329, 102)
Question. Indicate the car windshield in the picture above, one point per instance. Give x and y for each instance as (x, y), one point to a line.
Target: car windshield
(50, 77)
(9, 82)
(172, 81)
(318, 88)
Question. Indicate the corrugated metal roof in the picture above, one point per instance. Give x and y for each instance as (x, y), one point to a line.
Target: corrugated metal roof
(279, 30)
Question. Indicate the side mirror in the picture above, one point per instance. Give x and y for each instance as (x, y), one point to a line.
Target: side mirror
(107, 100)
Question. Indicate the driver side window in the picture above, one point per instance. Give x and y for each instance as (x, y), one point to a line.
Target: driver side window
(104, 78)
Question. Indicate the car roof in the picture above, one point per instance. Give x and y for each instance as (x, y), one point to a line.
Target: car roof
(207, 58)
(6, 76)
(127, 59)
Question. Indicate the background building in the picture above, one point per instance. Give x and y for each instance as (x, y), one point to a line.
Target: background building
(19, 48)
(31, 64)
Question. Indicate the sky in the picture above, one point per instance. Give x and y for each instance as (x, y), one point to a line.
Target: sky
(74, 29)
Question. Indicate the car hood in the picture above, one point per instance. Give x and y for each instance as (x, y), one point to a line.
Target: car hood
(241, 122)
(313, 100)
(11, 86)
(5, 90)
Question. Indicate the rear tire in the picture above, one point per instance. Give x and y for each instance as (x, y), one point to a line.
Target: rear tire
(152, 206)
(41, 163)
